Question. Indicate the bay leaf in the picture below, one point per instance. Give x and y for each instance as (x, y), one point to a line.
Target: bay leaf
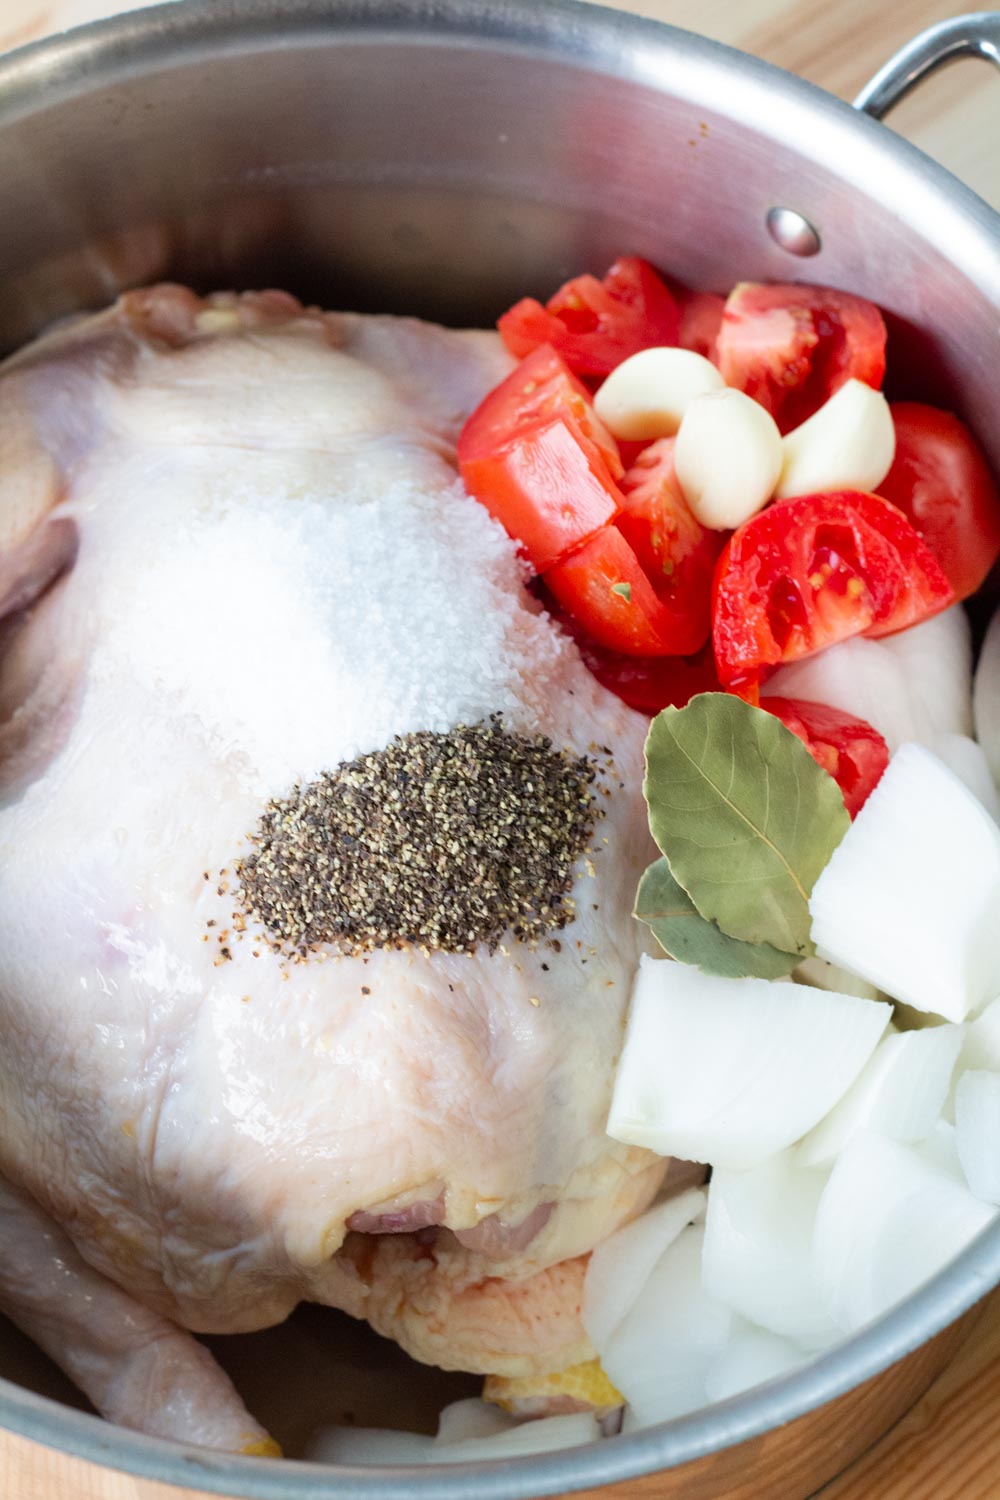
(686, 935)
(745, 817)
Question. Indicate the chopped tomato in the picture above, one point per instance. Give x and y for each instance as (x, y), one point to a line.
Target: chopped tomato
(791, 347)
(942, 482)
(808, 572)
(604, 588)
(852, 751)
(541, 387)
(645, 683)
(538, 457)
(652, 683)
(676, 552)
(701, 319)
(596, 324)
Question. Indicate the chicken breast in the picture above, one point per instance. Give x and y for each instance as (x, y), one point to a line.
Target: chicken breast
(235, 555)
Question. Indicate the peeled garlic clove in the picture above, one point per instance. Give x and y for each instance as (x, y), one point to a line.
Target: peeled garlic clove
(648, 394)
(728, 458)
(849, 444)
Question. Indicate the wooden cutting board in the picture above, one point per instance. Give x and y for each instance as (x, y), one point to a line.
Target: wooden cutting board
(948, 1447)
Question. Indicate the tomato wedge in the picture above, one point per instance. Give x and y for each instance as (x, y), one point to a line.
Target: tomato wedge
(791, 347)
(651, 683)
(701, 319)
(808, 572)
(595, 324)
(852, 751)
(942, 482)
(645, 683)
(604, 588)
(675, 551)
(538, 457)
(541, 387)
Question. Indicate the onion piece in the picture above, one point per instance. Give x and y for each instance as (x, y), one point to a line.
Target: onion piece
(910, 687)
(968, 761)
(935, 661)
(729, 1071)
(940, 1150)
(621, 1265)
(758, 1248)
(659, 1356)
(887, 1221)
(543, 1435)
(899, 1092)
(471, 1418)
(986, 697)
(981, 1041)
(909, 899)
(977, 1132)
(370, 1445)
(751, 1357)
(464, 1436)
(825, 976)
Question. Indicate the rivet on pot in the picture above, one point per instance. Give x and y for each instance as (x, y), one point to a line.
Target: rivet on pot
(792, 231)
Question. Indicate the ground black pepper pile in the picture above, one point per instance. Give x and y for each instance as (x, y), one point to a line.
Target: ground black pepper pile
(439, 841)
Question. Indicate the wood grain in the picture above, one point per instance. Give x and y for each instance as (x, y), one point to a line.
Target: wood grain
(947, 1448)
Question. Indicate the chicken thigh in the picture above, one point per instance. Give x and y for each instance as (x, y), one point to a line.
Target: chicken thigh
(234, 555)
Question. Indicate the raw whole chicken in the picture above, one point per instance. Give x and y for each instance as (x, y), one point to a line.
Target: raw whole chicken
(235, 555)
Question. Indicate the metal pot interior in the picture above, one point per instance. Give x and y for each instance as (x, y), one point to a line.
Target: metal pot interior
(443, 159)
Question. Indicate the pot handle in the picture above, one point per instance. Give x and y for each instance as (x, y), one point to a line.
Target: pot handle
(974, 35)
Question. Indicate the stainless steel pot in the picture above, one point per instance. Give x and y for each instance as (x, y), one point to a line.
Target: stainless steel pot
(443, 157)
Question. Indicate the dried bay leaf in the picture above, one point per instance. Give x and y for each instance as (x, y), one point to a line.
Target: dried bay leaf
(744, 815)
(686, 935)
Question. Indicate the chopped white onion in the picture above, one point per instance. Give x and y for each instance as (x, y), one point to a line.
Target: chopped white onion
(472, 1418)
(981, 1041)
(370, 1445)
(729, 1071)
(887, 1221)
(987, 697)
(910, 898)
(464, 1436)
(659, 1356)
(968, 761)
(825, 976)
(935, 659)
(940, 1150)
(646, 396)
(751, 1357)
(727, 458)
(619, 1267)
(899, 1092)
(977, 1132)
(910, 687)
(849, 444)
(758, 1248)
(541, 1436)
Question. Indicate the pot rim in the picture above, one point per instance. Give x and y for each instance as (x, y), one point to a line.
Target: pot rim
(858, 149)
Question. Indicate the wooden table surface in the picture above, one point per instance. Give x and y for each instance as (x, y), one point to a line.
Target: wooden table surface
(948, 1448)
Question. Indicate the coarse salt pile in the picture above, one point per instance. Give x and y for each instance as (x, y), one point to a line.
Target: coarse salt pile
(323, 619)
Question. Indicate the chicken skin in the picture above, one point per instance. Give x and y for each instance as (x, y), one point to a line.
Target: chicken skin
(234, 554)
